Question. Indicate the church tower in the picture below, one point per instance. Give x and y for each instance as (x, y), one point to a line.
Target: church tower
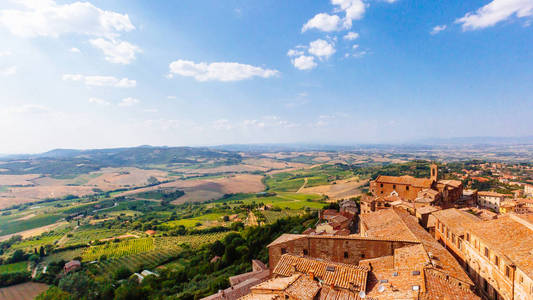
(434, 172)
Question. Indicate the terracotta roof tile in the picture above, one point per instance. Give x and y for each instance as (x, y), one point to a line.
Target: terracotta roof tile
(511, 237)
(456, 219)
(338, 274)
(406, 179)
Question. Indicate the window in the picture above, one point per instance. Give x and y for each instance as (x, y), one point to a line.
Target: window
(382, 192)
(394, 186)
(486, 252)
(406, 187)
(485, 285)
(496, 260)
(362, 255)
(468, 237)
(507, 271)
(283, 250)
(306, 252)
(381, 185)
(453, 238)
(345, 254)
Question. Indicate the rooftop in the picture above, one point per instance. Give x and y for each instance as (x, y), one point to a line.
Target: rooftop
(397, 223)
(406, 179)
(456, 219)
(511, 236)
(337, 274)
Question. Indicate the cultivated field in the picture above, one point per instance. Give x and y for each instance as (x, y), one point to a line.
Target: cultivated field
(34, 232)
(18, 180)
(23, 291)
(342, 189)
(197, 190)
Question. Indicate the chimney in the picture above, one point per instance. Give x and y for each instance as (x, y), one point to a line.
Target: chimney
(312, 274)
(294, 267)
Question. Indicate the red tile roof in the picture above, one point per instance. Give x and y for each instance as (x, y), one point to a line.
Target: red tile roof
(406, 179)
(337, 274)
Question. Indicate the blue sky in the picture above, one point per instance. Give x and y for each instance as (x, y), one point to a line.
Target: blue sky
(125, 73)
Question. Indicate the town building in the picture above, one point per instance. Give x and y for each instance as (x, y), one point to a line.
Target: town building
(490, 200)
(499, 256)
(450, 230)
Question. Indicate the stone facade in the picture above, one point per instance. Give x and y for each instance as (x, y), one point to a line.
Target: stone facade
(342, 249)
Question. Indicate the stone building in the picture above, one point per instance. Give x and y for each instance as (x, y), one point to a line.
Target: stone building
(424, 190)
(490, 200)
(450, 227)
(499, 257)
(396, 259)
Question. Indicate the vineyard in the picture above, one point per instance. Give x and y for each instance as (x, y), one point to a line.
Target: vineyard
(192, 240)
(272, 216)
(85, 236)
(36, 242)
(136, 262)
(115, 250)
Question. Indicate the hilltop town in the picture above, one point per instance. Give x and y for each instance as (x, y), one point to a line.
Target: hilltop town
(408, 238)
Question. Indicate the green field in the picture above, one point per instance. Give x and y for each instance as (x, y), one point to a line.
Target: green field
(191, 222)
(14, 268)
(36, 242)
(64, 255)
(21, 225)
(115, 250)
(320, 175)
(282, 200)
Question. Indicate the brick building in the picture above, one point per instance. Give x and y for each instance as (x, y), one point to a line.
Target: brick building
(423, 190)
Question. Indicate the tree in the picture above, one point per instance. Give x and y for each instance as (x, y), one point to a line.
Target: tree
(79, 285)
(41, 251)
(122, 273)
(54, 293)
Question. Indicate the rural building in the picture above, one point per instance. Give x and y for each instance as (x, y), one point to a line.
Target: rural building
(72, 265)
(528, 190)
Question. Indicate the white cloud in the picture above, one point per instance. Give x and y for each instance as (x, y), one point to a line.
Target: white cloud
(101, 80)
(294, 52)
(9, 71)
(151, 110)
(253, 123)
(304, 62)
(355, 46)
(74, 50)
(438, 29)
(218, 71)
(321, 48)
(323, 22)
(495, 12)
(128, 102)
(27, 109)
(171, 97)
(350, 36)
(5, 53)
(354, 10)
(99, 101)
(116, 51)
(47, 18)
(222, 124)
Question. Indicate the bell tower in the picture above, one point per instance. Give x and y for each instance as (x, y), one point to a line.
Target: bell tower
(434, 172)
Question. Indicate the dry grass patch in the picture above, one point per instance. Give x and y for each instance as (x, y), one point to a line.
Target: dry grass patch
(20, 180)
(23, 291)
(342, 189)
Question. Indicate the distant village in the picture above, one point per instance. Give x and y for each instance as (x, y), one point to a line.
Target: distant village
(408, 238)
